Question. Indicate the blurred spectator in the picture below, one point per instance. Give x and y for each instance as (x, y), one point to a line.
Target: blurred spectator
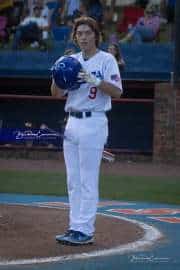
(71, 7)
(8, 14)
(45, 13)
(114, 49)
(108, 14)
(82, 8)
(130, 16)
(4, 4)
(168, 9)
(63, 32)
(51, 9)
(17, 12)
(146, 28)
(32, 29)
(4, 35)
(95, 10)
(57, 14)
(142, 3)
(108, 27)
(34, 3)
(120, 2)
(82, 11)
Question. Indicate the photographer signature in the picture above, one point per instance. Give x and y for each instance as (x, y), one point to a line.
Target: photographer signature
(148, 259)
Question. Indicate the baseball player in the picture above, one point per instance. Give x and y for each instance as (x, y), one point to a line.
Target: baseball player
(86, 130)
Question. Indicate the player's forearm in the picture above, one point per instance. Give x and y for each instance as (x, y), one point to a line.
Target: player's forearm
(56, 91)
(110, 89)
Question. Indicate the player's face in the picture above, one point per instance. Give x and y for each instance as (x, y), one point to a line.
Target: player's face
(85, 38)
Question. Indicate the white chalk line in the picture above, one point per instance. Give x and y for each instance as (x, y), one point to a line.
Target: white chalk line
(151, 235)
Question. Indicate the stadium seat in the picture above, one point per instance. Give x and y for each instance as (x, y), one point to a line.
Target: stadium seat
(61, 33)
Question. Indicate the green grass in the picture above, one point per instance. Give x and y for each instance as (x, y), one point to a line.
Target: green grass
(33, 182)
(141, 188)
(131, 188)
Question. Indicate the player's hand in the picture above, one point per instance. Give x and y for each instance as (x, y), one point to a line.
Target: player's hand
(83, 76)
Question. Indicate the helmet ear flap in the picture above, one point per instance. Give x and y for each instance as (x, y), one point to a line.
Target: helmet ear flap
(65, 73)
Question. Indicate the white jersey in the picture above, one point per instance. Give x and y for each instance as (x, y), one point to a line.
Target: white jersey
(88, 97)
(41, 22)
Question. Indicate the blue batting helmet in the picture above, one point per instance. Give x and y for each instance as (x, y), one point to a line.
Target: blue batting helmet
(65, 72)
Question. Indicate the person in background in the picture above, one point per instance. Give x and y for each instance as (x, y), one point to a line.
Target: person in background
(57, 13)
(168, 10)
(114, 49)
(95, 10)
(71, 7)
(32, 29)
(146, 28)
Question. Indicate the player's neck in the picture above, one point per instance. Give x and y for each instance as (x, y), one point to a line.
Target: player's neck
(90, 53)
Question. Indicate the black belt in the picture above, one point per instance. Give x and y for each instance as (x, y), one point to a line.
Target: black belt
(80, 114)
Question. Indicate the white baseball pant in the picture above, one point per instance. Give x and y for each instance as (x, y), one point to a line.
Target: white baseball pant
(83, 147)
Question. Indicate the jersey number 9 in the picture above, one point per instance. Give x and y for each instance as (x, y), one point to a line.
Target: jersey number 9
(92, 93)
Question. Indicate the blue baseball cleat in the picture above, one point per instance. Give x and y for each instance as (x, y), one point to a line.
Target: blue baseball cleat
(63, 238)
(78, 238)
(74, 238)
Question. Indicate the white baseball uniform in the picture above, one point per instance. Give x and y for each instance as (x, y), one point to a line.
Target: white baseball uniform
(85, 140)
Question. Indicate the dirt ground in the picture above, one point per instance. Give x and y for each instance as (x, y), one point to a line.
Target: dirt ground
(28, 232)
(40, 225)
(117, 168)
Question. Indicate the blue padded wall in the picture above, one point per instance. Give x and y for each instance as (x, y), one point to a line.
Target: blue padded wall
(143, 62)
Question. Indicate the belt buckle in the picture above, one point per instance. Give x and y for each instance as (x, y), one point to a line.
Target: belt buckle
(81, 114)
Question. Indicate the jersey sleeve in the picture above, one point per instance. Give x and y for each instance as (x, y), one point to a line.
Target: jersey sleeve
(111, 72)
